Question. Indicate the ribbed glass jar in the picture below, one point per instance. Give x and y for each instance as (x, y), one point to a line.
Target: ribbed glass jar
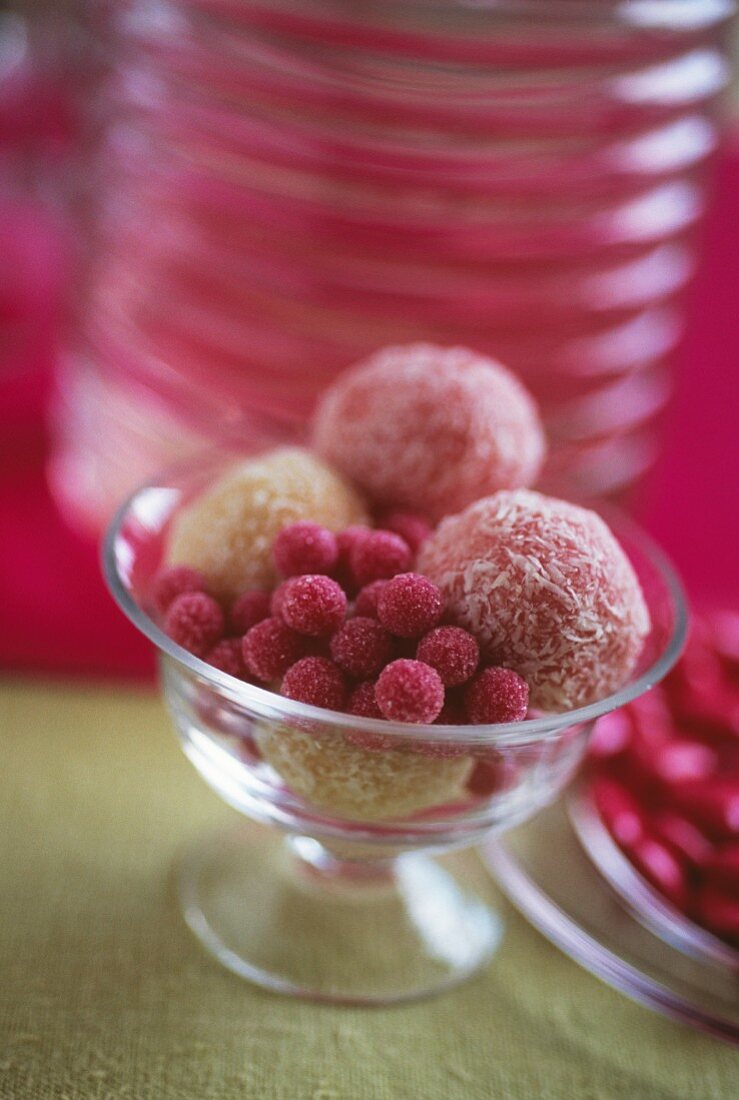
(285, 186)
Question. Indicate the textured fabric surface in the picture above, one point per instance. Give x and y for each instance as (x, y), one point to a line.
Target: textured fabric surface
(104, 993)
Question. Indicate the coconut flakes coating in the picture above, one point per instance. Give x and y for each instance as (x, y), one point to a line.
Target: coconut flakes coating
(430, 429)
(546, 589)
(228, 532)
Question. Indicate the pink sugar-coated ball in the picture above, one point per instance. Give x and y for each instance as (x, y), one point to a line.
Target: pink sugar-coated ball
(547, 591)
(227, 656)
(195, 621)
(305, 547)
(172, 581)
(362, 702)
(317, 681)
(430, 429)
(367, 597)
(361, 647)
(409, 691)
(346, 540)
(270, 648)
(379, 555)
(452, 651)
(410, 605)
(409, 525)
(497, 695)
(248, 609)
(313, 604)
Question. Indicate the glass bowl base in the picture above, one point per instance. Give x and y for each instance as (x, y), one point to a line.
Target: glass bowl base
(297, 918)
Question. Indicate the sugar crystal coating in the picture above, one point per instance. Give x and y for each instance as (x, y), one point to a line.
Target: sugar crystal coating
(367, 597)
(195, 621)
(313, 604)
(248, 609)
(228, 531)
(361, 647)
(269, 649)
(409, 525)
(430, 429)
(362, 702)
(409, 691)
(546, 589)
(409, 605)
(452, 651)
(346, 540)
(305, 547)
(227, 656)
(317, 681)
(497, 695)
(174, 580)
(378, 556)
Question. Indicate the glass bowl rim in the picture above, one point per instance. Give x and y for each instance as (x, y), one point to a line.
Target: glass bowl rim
(268, 704)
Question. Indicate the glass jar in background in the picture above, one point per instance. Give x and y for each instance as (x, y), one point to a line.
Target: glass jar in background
(284, 187)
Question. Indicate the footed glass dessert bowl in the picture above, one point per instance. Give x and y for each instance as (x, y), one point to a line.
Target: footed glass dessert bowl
(351, 897)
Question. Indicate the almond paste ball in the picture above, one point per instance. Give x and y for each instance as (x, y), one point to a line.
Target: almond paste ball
(227, 532)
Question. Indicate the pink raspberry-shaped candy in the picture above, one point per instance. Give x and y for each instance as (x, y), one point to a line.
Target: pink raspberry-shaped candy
(195, 621)
(346, 540)
(379, 555)
(317, 681)
(409, 691)
(452, 651)
(172, 581)
(313, 604)
(248, 609)
(275, 603)
(305, 547)
(410, 605)
(270, 648)
(362, 702)
(366, 601)
(411, 527)
(497, 695)
(227, 655)
(361, 647)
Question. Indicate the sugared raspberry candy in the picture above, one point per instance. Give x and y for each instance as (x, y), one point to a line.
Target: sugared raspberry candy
(172, 581)
(317, 681)
(361, 647)
(546, 589)
(305, 547)
(430, 429)
(275, 602)
(410, 526)
(270, 648)
(497, 695)
(410, 605)
(452, 651)
(362, 702)
(409, 691)
(313, 604)
(366, 601)
(248, 609)
(195, 621)
(346, 540)
(227, 655)
(378, 556)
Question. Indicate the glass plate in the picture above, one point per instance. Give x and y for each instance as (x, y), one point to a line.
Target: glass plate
(544, 871)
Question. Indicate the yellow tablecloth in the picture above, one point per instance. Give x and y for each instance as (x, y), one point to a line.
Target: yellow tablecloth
(104, 993)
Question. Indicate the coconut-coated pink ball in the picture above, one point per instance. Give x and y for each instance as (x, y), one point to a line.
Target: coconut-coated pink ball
(547, 591)
(430, 429)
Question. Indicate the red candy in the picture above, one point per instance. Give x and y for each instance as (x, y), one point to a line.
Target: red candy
(270, 648)
(411, 527)
(362, 702)
(452, 651)
(346, 540)
(490, 777)
(497, 695)
(172, 581)
(379, 555)
(248, 609)
(619, 811)
(719, 912)
(660, 867)
(228, 657)
(313, 604)
(366, 601)
(721, 868)
(361, 647)
(305, 547)
(409, 605)
(195, 621)
(317, 681)
(685, 840)
(409, 691)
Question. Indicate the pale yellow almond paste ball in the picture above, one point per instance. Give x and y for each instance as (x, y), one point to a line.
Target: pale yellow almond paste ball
(333, 775)
(228, 531)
